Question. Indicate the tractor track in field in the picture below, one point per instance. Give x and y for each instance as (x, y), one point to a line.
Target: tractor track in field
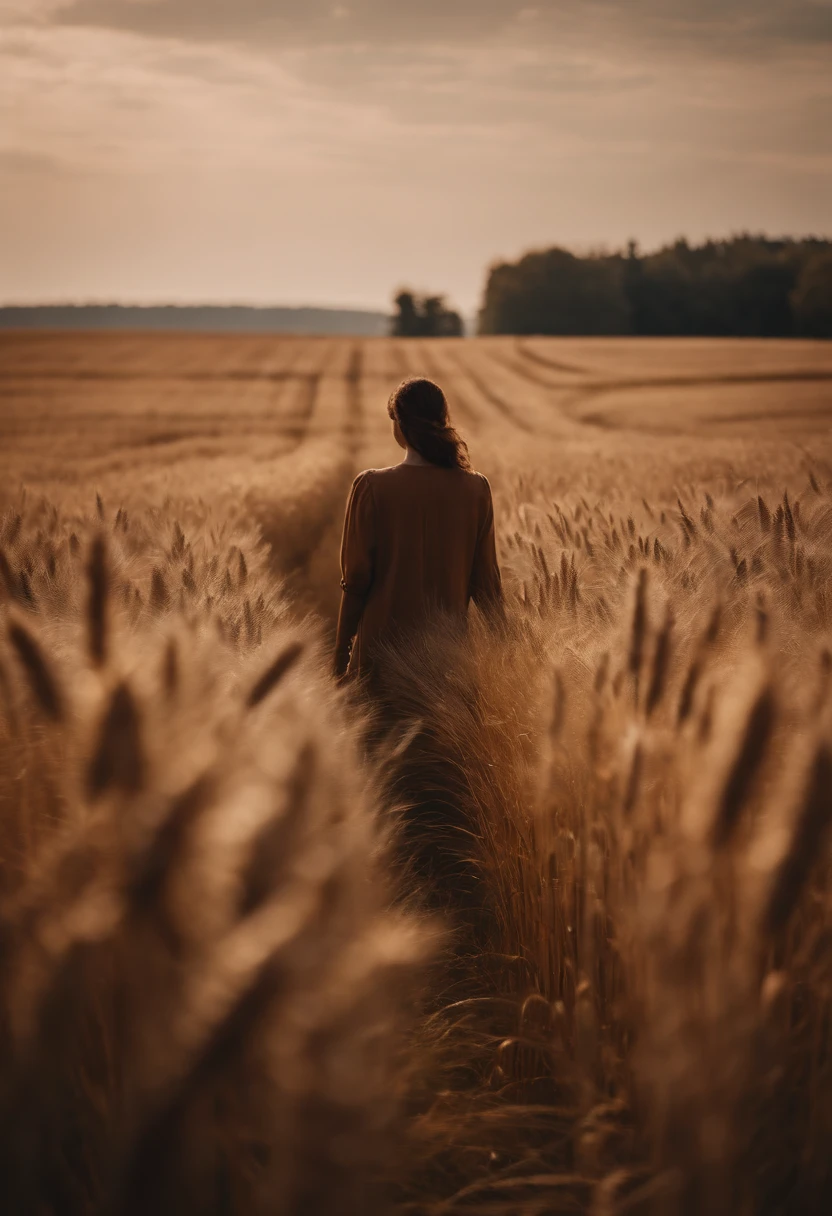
(499, 402)
(525, 372)
(195, 377)
(297, 431)
(557, 365)
(307, 577)
(594, 391)
(397, 368)
(354, 421)
(598, 387)
(461, 406)
(572, 396)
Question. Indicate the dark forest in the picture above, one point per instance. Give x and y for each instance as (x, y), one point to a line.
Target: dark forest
(747, 286)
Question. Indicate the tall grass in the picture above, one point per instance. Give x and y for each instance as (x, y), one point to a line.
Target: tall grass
(639, 769)
(203, 977)
(220, 884)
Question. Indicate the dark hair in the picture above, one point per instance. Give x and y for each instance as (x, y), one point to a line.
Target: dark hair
(420, 408)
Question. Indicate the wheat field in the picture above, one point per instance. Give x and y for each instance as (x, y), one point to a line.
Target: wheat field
(548, 927)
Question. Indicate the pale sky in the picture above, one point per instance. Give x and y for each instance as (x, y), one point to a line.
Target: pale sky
(304, 152)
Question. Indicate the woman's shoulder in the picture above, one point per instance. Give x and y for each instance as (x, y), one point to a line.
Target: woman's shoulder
(390, 475)
(482, 483)
(361, 489)
(363, 480)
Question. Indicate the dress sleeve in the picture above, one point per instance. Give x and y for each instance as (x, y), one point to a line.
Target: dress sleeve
(358, 547)
(486, 587)
(358, 542)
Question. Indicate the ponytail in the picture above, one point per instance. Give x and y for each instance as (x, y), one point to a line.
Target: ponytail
(421, 410)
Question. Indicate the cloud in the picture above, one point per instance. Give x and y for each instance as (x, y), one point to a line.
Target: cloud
(746, 27)
(303, 21)
(324, 151)
(19, 162)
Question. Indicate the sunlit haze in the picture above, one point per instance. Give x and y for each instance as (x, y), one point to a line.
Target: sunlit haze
(305, 152)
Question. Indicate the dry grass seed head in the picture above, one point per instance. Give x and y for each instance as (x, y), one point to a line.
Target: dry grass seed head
(98, 580)
(274, 673)
(273, 843)
(810, 834)
(753, 744)
(661, 664)
(118, 760)
(42, 680)
(638, 629)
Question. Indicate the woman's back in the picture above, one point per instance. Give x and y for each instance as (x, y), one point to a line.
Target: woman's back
(417, 538)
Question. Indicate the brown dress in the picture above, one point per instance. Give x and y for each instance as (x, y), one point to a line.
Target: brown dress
(417, 538)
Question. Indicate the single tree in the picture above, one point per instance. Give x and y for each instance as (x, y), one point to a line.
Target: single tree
(424, 317)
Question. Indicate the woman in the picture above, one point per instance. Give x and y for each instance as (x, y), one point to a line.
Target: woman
(418, 537)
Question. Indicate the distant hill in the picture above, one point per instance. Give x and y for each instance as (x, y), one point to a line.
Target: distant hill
(208, 318)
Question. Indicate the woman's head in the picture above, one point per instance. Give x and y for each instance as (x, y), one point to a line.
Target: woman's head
(419, 409)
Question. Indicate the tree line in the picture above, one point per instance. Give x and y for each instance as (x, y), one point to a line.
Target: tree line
(743, 287)
(747, 286)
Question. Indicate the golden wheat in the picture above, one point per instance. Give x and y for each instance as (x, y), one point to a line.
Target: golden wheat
(202, 976)
(220, 876)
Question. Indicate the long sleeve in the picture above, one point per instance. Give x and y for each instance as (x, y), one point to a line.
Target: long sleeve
(358, 546)
(486, 586)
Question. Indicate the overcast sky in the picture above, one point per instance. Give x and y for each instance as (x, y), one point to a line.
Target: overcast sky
(300, 151)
